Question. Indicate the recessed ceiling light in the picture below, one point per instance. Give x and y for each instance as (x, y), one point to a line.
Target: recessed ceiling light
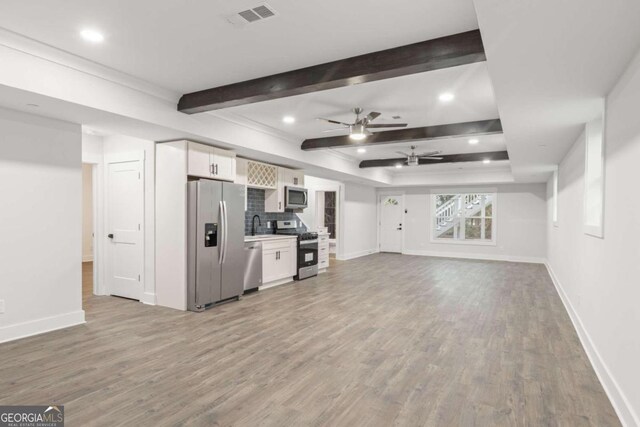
(399, 165)
(289, 119)
(92, 36)
(473, 141)
(362, 150)
(446, 97)
(486, 161)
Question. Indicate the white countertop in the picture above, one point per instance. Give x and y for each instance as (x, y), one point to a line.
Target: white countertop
(263, 237)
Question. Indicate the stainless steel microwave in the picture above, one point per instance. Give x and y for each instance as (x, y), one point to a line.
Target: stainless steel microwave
(295, 198)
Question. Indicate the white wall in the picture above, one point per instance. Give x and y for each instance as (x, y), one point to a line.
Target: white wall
(313, 185)
(357, 236)
(40, 225)
(520, 222)
(599, 278)
(117, 144)
(87, 212)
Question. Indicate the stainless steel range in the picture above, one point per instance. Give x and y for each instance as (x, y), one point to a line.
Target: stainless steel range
(307, 248)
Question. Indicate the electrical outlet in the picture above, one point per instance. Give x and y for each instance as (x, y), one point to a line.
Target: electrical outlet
(1, 306)
(268, 224)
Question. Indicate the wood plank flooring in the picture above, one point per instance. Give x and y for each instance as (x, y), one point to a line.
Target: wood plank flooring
(377, 341)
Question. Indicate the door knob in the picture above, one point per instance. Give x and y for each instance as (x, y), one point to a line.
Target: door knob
(110, 236)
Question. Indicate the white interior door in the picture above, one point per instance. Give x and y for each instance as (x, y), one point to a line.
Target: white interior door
(391, 207)
(125, 228)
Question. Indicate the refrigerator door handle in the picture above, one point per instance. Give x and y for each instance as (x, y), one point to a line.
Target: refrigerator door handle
(226, 230)
(222, 235)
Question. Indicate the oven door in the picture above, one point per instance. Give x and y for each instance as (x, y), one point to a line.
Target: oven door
(295, 198)
(307, 253)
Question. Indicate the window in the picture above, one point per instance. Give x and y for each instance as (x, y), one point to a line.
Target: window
(330, 213)
(554, 200)
(464, 217)
(594, 177)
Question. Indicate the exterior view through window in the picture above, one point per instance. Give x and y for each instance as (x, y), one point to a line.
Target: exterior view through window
(468, 217)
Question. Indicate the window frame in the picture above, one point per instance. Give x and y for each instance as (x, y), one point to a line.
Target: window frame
(554, 204)
(460, 191)
(594, 131)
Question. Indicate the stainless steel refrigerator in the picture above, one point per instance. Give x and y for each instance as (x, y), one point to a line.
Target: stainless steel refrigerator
(215, 253)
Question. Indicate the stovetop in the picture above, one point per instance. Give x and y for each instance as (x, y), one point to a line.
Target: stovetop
(302, 235)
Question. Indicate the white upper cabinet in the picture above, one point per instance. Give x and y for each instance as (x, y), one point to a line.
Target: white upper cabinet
(199, 160)
(224, 164)
(210, 162)
(241, 177)
(293, 178)
(262, 175)
(274, 200)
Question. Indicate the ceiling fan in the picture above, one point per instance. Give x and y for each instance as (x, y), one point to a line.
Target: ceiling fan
(359, 129)
(413, 159)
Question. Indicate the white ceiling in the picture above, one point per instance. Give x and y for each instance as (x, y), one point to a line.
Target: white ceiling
(413, 97)
(550, 63)
(187, 45)
(445, 146)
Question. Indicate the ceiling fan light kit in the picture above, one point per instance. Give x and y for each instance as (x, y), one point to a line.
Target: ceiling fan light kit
(359, 129)
(413, 159)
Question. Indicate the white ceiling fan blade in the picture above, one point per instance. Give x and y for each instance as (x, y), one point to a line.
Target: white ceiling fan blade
(430, 153)
(430, 158)
(403, 154)
(336, 129)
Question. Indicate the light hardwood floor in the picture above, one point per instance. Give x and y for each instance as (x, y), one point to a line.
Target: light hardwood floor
(381, 340)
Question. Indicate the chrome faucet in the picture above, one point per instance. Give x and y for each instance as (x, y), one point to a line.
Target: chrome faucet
(253, 224)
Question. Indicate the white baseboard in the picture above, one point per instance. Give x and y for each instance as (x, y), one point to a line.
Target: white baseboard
(275, 283)
(619, 401)
(486, 257)
(87, 258)
(354, 255)
(40, 326)
(148, 298)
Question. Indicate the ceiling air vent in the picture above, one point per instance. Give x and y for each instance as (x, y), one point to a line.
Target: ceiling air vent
(260, 12)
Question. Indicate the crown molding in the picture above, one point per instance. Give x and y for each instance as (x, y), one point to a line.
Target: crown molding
(38, 49)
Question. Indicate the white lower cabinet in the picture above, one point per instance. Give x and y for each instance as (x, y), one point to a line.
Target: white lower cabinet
(323, 252)
(279, 258)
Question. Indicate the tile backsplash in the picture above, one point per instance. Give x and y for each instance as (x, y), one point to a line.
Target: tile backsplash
(255, 206)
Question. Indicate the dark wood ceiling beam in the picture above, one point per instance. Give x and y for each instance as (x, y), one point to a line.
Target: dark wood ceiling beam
(454, 130)
(444, 52)
(447, 158)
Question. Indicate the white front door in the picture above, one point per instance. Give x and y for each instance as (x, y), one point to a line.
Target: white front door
(125, 217)
(391, 223)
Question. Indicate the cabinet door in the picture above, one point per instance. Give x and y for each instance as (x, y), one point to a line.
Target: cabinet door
(224, 164)
(274, 199)
(276, 265)
(199, 160)
(284, 269)
(241, 177)
(293, 263)
(296, 178)
(269, 266)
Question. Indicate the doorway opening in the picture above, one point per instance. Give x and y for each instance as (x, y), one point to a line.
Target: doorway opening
(390, 222)
(89, 211)
(327, 217)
